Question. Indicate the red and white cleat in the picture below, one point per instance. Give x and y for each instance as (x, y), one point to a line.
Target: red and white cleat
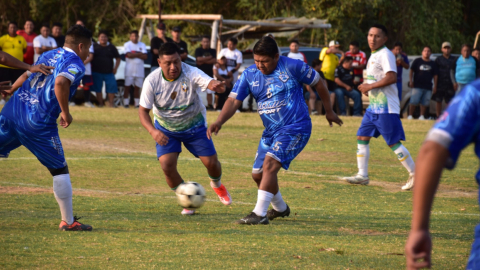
(188, 212)
(223, 194)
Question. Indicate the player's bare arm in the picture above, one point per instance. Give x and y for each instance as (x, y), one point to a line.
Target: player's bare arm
(8, 60)
(16, 84)
(146, 120)
(322, 90)
(229, 109)
(117, 64)
(89, 59)
(62, 92)
(390, 78)
(216, 86)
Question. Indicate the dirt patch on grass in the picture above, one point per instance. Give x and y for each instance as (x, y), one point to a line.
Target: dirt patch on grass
(23, 190)
(363, 232)
(107, 146)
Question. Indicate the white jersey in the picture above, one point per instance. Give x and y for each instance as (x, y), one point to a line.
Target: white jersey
(88, 66)
(298, 56)
(385, 99)
(40, 41)
(176, 104)
(233, 58)
(134, 66)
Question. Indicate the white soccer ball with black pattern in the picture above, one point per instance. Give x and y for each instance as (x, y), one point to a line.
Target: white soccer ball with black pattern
(191, 195)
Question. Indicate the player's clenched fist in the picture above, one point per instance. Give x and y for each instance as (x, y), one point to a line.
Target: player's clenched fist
(213, 129)
(159, 137)
(65, 120)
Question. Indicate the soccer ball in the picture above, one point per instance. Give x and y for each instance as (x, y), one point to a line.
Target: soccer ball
(190, 195)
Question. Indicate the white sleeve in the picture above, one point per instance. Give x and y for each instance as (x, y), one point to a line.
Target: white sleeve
(126, 48)
(200, 78)
(54, 43)
(144, 48)
(389, 62)
(91, 48)
(240, 58)
(219, 56)
(36, 43)
(147, 98)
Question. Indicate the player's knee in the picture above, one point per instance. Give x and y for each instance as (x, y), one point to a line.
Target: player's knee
(257, 177)
(55, 172)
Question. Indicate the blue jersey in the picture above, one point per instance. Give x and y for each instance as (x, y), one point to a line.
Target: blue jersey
(460, 124)
(279, 95)
(34, 105)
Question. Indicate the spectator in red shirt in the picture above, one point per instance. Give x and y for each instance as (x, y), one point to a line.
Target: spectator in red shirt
(359, 61)
(29, 35)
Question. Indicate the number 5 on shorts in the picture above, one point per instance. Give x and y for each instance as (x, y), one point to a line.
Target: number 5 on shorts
(276, 146)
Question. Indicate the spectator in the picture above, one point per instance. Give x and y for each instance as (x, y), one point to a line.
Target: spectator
(206, 57)
(234, 61)
(465, 68)
(29, 36)
(273, 37)
(103, 69)
(43, 42)
(176, 32)
(87, 80)
(135, 56)
(294, 54)
(476, 55)
(402, 63)
(312, 95)
(221, 74)
(16, 46)
(445, 89)
(155, 44)
(359, 61)
(344, 78)
(57, 34)
(423, 71)
(330, 62)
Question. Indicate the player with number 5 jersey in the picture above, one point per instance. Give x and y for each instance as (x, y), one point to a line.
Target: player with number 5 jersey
(276, 84)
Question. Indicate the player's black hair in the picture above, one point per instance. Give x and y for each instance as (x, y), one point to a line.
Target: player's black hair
(78, 34)
(45, 25)
(29, 20)
(355, 43)
(14, 23)
(295, 41)
(168, 48)
(206, 36)
(266, 46)
(57, 24)
(134, 32)
(466, 45)
(426, 46)
(347, 59)
(399, 44)
(381, 27)
(233, 40)
(316, 62)
(105, 32)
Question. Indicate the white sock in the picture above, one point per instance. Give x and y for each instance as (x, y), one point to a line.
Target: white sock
(405, 158)
(263, 201)
(215, 182)
(62, 188)
(137, 101)
(278, 203)
(126, 101)
(363, 153)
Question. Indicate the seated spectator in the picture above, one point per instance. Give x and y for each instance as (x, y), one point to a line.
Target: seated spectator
(294, 54)
(359, 61)
(135, 56)
(465, 68)
(312, 95)
(402, 63)
(57, 34)
(221, 74)
(422, 71)
(103, 69)
(344, 78)
(43, 42)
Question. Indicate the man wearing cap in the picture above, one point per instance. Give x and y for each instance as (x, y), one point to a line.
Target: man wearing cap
(445, 90)
(176, 32)
(155, 44)
(330, 62)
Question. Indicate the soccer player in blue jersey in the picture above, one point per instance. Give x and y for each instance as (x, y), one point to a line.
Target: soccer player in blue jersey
(276, 84)
(455, 129)
(30, 117)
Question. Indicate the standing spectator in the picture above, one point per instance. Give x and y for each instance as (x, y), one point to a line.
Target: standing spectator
(176, 32)
(445, 89)
(43, 42)
(206, 58)
(16, 46)
(87, 80)
(103, 69)
(330, 61)
(155, 44)
(402, 63)
(57, 34)
(135, 56)
(294, 53)
(423, 71)
(29, 36)
(221, 74)
(312, 95)
(344, 78)
(476, 54)
(234, 61)
(359, 61)
(465, 68)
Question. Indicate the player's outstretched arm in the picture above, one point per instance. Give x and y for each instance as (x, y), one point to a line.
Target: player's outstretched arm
(216, 86)
(429, 166)
(62, 92)
(322, 90)
(8, 60)
(146, 120)
(229, 109)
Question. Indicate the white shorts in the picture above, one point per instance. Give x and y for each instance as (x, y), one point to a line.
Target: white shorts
(210, 91)
(135, 81)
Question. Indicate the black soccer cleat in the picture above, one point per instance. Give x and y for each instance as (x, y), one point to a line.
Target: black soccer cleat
(75, 226)
(273, 214)
(253, 219)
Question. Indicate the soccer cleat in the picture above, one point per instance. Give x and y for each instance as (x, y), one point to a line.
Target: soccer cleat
(2, 102)
(273, 214)
(314, 112)
(223, 194)
(253, 219)
(410, 182)
(75, 226)
(410, 117)
(126, 106)
(89, 105)
(187, 212)
(71, 104)
(357, 179)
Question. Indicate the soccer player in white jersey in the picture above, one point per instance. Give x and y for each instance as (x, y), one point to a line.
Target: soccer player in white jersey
(180, 117)
(383, 114)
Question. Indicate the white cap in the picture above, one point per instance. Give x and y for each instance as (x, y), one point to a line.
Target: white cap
(333, 43)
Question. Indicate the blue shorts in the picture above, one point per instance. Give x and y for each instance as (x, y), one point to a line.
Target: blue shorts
(45, 145)
(283, 147)
(421, 96)
(195, 140)
(110, 82)
(387, 125)
(474, 259)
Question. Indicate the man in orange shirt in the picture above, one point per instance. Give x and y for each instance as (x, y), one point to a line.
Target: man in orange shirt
(28, 35)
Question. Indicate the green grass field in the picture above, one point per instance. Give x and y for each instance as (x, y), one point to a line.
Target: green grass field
(120, 190)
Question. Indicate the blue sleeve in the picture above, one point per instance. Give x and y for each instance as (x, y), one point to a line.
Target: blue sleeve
(405, 59)
(241, 89)
(73, 71)
(302, 72)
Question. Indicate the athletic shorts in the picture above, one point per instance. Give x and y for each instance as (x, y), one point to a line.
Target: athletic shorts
(387, 125)
(135, 81)
(421, 96)
(474, 260)
(443, 94)
(44, 144)
(110, 82)
(283, 147)
(195, 140)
